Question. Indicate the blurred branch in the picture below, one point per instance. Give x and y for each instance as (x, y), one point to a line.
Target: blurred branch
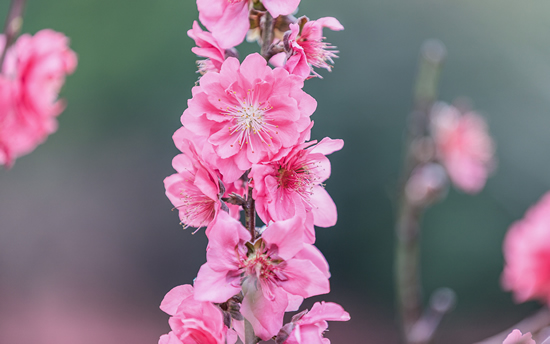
(407, 253)
(267, 34)
(533, 324)
(12, 26)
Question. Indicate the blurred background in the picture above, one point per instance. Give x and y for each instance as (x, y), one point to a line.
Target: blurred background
(89, 246)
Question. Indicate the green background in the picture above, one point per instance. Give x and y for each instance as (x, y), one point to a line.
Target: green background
(89, 246)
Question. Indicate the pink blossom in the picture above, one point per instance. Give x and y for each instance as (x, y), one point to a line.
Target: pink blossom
(292, 185)
(194, 190)
(272, 271)
(307, 49)
(527, 254)
(464, 146)
(33, 73)
(515, 337)
(247, 113)
(192, 321)
(208, 47)
(309, 328)
(228, 19)
(195, 149)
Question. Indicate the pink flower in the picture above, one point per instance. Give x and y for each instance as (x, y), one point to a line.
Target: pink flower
(208, 47)
(193, 321)
(515, 337)
(193, 191)
(247, 113)
(273, 272)
(292, 185)
(309, 327)
(307, 49)
(527, 254)
(463, 146)
(33, 72)
(228, 19)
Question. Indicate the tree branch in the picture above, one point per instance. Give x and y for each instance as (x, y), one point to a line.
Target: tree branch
(13, 26)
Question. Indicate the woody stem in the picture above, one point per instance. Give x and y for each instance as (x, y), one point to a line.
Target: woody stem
(13, 25)
(267, 35)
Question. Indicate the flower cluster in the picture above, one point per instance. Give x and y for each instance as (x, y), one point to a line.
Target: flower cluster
(245, 147)
(33, 72)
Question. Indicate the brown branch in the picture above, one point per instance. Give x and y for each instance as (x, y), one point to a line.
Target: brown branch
(407, 253)
(12, 26)
(267, 35)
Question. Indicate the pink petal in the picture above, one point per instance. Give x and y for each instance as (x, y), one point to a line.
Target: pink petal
(169, 338)
(328, 146)
(331, 23)
(173, 299)
(265, 316)
(313, 254)
(231, 28)
(215, 286)
(286, 235)
(328, 311)
(304, 279)
(515, 337)
(281, 7)
(324, 210)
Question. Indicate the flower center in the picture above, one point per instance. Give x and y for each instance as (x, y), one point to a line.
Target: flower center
(250, 119)
(298, 177)
(262, 266)
(196, 209)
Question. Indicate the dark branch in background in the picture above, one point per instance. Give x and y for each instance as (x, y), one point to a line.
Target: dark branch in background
(416, 328)
(12, 26)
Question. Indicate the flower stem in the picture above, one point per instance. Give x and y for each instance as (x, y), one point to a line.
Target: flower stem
(407, 253)
(249, 336)
(267, 35)
(250, 213)
(13, 26)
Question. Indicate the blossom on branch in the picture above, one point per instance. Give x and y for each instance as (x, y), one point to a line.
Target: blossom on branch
(309, 327)
(247, 113)
(208, 47)
(293, 185)
(193, 321)
(228, 20)
(306, 49)
(464, 146)
(273, 272)
(32, 75)
(527, 255)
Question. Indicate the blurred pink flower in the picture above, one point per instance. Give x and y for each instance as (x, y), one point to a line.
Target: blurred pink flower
(515, 337)
(464, 146)
(293, 186)
(307, 49)
(247, 113)
(193, 321)
(208, 47)
(32, 75)
(527, 255)
(309, 327)
(228, 19)
(275, 272)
